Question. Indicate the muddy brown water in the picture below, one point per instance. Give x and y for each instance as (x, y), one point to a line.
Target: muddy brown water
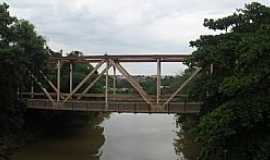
(120, 137)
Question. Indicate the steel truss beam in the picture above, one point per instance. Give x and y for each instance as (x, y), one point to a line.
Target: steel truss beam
(50, 83)
(133, 82)
(58, 80)
(70, 77)
(197, 70)
(114, 61)
(129, 57)
(158, 80)
(42, 87)
(84, 80)
(93, 83)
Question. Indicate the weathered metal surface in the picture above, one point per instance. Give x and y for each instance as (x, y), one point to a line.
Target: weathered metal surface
(58, 80)
(125, 107)
(107, 102)
(84, 80)
(136, 85)
(124, 58)
(183, 85)
(93, 83)
(158, 80)
(101, 95)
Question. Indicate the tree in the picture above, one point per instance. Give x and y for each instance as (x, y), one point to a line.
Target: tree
(236, 111)
(21, 48)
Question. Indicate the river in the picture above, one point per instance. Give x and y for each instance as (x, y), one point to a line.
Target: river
(119, 137)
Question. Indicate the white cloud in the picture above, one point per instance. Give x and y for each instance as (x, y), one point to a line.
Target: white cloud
(122, 25)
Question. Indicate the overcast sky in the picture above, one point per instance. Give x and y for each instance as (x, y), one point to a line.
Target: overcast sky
(121, 26)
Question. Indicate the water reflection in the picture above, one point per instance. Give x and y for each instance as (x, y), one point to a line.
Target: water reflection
(185, 146)
(82, 143)
(139, 137)
(119, 137)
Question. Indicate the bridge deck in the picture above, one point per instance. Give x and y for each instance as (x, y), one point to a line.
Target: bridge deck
(127, 107)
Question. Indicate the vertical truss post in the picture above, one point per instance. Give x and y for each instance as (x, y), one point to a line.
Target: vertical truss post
(83, 81)
(106, 85)
(211, 69)
(32, 89)
(58, 79)
(114, 80)
(70, 77)
(158, 79)
(50, 83)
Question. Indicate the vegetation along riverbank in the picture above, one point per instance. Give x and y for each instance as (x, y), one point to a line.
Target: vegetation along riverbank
(233, 86)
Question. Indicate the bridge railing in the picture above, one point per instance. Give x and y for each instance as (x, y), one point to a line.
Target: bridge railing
(132, 107)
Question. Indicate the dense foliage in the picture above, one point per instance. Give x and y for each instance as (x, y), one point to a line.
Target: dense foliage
(20, 48)
(23, 51)
(235, 116)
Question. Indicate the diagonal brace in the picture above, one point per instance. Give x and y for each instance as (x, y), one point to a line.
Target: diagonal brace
(133, 82)
(50, 82)
(83, 81)
(93, 83)
(198, 69)
(42, 88)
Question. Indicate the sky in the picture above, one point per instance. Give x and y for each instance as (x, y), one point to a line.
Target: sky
(124, 26)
